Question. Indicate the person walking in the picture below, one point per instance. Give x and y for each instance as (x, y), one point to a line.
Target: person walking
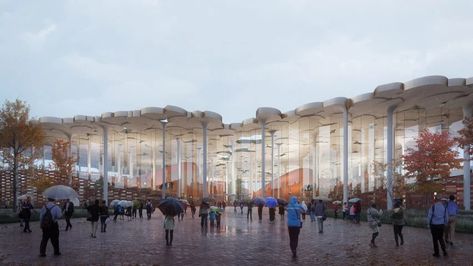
(311, 208)
(169, 228)
(304, 207)
(272, 214)
(437, 219)
(260, 212)
(68, 210)
(48, 217)
(149, 208)
(26, 208)
(241, 206)
(93, 218)
(193, 209)
(374, 222)
(281, 211)
(452, 210)
(397, 218)
(319, 212)
(294, 224)
(140, 209)
(203, 214)
(249, 214)
(345, 210)
(103, 212)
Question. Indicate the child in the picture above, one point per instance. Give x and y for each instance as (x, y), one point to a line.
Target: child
(212, 217)
(169, 227)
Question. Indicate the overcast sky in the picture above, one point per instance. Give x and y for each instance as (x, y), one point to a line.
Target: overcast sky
(67, 58)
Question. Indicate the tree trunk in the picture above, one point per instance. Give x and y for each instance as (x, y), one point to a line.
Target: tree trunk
(15, 178)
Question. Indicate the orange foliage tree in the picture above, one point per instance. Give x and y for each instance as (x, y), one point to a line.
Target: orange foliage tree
(466, 136)
(431, 160)
(20, 139)
(62, 159)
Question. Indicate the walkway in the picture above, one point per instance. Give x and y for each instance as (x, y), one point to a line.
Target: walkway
(238, 242)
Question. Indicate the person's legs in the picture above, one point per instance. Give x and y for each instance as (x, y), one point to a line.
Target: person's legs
(441, 240)
(434, 231)
(167, 237)
(400, 235)
(44, 242)
(396, 233)
(55, 239)
(319, 224)
(452, 229)
(171, 236)
(292, 240)
(27, 225)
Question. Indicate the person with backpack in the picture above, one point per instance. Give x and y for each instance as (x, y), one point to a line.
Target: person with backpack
(48, 217)
(437, 219)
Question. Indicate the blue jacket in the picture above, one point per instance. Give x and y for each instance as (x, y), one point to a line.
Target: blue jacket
(294, 211)
(439, 215)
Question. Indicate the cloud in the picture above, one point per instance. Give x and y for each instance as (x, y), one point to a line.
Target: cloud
(37, 39)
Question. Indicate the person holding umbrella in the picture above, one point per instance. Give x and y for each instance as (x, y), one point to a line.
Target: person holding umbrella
(294, 224)
(26, 208)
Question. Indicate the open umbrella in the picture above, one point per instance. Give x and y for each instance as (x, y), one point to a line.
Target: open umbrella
(170, 206)
(259, 201)
(323, 198)
(25, 196)
(184, 202)
(114, 202)
(60, 192)
(353, 200)
(125, 203)
(208, 200)
(282, 202)
(271, 202)
(216, 209)
(337, 202)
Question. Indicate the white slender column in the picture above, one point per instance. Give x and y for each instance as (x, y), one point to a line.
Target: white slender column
(105, 164)
(263, 158)
(179, 177)
(389, 157)
(163, 123)
(78, 157)
(153, 164)
(119, 163)
(279, 169)
(272, 161)
(467, 112)
(233, 171)
(345, 154)
(204, 160)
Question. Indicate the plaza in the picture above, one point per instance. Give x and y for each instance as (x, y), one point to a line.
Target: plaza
(237, 242)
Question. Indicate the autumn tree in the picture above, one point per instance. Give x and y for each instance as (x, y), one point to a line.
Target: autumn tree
(466, 136)
(63, 160)
(431, 159)
(19, 139)
(336, 193)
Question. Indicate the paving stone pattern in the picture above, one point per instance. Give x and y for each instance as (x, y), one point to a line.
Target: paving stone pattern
(237, 242)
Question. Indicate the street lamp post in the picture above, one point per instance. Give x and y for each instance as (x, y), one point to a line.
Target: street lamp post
(163, 123)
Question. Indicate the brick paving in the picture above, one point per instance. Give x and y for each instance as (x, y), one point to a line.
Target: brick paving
(237, 242)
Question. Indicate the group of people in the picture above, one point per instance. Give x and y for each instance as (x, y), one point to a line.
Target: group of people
(441, 220)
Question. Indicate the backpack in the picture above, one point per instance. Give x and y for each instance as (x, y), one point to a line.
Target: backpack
(47, 222)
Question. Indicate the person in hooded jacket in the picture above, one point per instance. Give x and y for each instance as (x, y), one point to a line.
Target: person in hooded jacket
(294, 223)
(397, 218)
